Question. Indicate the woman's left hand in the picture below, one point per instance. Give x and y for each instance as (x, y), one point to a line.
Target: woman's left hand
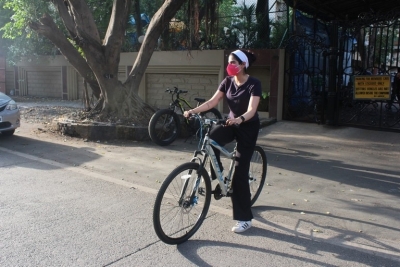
(234, 121)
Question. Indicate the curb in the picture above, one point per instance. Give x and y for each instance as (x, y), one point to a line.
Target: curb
(103, 131)
(267, 122)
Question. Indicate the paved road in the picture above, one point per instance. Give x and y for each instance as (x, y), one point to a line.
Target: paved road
(331, 200)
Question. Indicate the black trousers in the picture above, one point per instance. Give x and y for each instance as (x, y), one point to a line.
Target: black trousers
(246, 137)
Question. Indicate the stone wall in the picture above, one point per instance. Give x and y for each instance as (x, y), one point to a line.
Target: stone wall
(45, 82)
(198, 86)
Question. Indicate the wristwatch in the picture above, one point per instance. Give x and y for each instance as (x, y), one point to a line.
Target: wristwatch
(243, 119)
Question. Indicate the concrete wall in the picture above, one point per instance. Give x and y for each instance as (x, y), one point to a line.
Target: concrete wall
(44, 82)
(197, 85)
(199, 72)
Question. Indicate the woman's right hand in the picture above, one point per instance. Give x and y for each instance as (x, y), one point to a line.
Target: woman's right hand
(187, 113)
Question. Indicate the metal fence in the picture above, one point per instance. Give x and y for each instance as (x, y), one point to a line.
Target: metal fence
(371, 51)
(325, 58)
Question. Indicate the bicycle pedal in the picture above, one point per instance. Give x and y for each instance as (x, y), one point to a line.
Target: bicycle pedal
(202, 191)
(217, 196)
(217, 192)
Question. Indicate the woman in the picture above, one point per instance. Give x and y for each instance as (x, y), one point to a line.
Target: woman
(242, 93)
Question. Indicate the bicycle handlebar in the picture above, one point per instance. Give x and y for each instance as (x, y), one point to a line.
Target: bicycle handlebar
(206, 124)
(206, 121)
(175, 91)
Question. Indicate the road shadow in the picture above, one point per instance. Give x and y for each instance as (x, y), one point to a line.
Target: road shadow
(340, 234)
(23, 150)
(302, 243)
(310, 163)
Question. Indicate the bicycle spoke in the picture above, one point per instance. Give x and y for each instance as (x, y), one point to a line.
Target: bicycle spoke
(177, 213)
(257, 173)
(164, 127)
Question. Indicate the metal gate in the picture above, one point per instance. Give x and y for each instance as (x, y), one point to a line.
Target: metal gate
(323, 61)
(369, 47)
(306, 79)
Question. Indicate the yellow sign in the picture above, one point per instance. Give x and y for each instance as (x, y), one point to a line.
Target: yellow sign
(372, 87)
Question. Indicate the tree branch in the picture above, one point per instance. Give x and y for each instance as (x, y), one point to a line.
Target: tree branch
(85, 25)
(66, 17)
(116, 30)
(49, 29)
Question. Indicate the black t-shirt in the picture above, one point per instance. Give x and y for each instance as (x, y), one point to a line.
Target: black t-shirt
(238, 97)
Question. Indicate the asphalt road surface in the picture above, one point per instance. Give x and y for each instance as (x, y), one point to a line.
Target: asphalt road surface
(331, 199)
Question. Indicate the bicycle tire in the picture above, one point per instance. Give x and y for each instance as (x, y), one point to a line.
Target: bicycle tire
(176, 223)
(257, 173)
(164, 127)
(212, 114)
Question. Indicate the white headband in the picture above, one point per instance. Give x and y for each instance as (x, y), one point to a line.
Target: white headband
(242, 56)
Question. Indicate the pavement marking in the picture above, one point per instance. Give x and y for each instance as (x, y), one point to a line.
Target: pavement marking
(385, 253)
(82, 171)
(370, 172)
(101, 177)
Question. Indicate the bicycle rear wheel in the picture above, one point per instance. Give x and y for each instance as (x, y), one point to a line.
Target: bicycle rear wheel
(257, 173)
(211, 114)
(182, 203)
(164, 127)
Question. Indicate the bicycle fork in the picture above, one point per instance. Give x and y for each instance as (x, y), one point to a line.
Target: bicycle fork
(191, 200)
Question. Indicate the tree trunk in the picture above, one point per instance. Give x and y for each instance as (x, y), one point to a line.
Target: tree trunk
(137, 16)
(86, 97)
(124, 107)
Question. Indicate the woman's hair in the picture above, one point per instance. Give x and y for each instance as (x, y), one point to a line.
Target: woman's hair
(250, 56)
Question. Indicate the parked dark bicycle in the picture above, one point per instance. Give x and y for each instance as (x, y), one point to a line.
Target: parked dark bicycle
(165, 125)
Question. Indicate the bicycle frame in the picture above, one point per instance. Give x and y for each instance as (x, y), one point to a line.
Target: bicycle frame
(177, 106)
(207, 152)
(177, 102)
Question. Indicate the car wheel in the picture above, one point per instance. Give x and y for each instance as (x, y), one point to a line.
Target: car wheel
(8, 133)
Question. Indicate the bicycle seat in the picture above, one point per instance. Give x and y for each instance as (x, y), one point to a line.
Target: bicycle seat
(200, 100)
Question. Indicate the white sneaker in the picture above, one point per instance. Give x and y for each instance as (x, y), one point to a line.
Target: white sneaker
(241, 226)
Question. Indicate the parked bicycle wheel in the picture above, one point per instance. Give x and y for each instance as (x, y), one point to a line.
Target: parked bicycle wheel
(178, 212)
(164, 127)
(257, 173)
(211, 114)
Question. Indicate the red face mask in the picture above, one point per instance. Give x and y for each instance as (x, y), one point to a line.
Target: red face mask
(232, 69)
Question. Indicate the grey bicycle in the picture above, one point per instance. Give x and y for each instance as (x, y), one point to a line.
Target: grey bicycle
(184, 197)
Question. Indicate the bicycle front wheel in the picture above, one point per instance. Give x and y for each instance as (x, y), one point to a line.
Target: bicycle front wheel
(257, 173)
(182, 203)
(164, 127)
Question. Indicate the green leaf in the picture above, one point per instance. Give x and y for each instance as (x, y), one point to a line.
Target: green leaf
(264, 95)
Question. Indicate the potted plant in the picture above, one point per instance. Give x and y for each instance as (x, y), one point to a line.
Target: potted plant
(263, 106)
